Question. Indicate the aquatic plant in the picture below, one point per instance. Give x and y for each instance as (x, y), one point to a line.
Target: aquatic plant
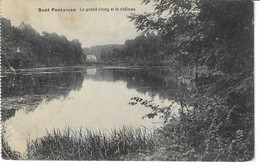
(118, 144)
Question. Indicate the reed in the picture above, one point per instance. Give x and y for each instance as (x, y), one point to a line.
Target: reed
(118, 144)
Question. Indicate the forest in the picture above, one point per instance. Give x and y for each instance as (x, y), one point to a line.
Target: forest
(23, 47)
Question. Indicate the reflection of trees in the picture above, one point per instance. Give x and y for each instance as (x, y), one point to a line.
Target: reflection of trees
(54, 83)
(161, 81)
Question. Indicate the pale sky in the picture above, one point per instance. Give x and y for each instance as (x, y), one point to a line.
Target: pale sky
(91, 28)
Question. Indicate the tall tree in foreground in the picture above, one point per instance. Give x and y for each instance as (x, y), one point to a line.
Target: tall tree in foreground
(218, 35)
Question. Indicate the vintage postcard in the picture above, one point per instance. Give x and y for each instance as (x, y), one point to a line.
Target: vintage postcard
(150, 80)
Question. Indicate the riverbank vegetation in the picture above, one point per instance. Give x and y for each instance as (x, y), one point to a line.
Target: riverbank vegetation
(217, 35)
(118, 144)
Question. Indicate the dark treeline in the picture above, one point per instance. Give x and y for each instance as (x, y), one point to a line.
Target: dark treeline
(23, 47)
(143, 50)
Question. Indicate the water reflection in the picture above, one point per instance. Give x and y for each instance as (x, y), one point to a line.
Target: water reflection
(30, 84)
(26, 90)
(97, 106)
(96, 99)
(92, 71)
(164, 82)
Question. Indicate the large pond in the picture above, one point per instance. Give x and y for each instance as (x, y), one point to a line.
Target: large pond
(93, 98)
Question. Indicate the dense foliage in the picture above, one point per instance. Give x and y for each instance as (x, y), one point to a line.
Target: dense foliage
(143, 50)
(219, 123)
(23, 47)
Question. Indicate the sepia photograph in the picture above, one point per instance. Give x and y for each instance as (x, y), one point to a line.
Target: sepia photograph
(127, 80)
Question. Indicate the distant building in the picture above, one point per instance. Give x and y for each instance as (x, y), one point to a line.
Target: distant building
(18, 50)
(92, 58)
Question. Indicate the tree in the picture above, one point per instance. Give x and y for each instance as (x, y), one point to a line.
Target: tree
(37, 50)
(219, 35)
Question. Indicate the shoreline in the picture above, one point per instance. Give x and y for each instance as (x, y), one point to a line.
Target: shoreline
(39, 69)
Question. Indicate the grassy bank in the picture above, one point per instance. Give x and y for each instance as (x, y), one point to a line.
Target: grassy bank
(119, 144)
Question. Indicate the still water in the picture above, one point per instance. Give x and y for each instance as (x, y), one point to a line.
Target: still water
(96, 99)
